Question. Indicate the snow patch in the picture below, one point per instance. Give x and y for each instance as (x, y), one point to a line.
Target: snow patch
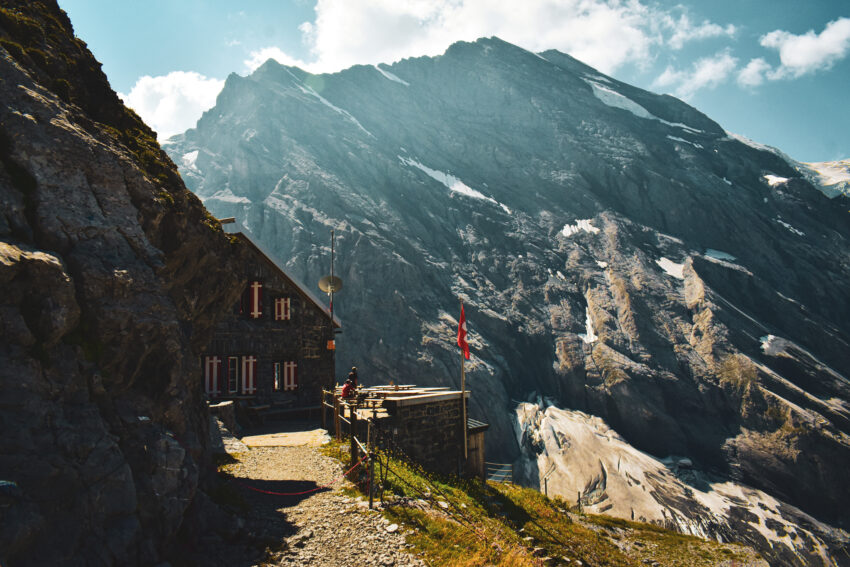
(454, 184)
(391, 77)
(832, 178)
(581, 224)
(672, 268)
(601, 264)
(684, 141)
(755, 145)
(796, 231)
(774, 180)
(772, 345)
(614, 99)
(189, 159)
(588, 336)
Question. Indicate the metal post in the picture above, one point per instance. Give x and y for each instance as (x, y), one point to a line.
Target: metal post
(463, 398)
(354, 450)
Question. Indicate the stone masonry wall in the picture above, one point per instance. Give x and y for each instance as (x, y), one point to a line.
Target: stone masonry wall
(430, 433)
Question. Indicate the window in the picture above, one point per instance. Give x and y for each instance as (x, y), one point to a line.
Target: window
(281, 309)
(278, 377)
(212, 373)
(249, 375)
(290, 376)
(232, 374)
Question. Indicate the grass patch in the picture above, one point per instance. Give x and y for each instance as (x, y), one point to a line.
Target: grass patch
(499, 524)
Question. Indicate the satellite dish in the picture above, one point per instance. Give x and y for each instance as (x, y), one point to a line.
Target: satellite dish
(330, 284)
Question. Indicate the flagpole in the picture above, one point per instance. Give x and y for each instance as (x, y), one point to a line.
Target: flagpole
(463, 396)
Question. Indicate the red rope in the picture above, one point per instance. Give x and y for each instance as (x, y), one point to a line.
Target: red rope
(318, 488)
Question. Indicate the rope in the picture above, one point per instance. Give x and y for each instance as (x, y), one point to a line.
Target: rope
(318, 488)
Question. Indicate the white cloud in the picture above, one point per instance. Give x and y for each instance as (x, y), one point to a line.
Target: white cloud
(260, 56)
(603, 33)
(753, 74)
(807, 53)
(174, 102)
(708, 72)
(684, 31)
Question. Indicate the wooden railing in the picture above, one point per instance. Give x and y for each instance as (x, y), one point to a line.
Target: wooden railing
(349, 427)
(499, 472)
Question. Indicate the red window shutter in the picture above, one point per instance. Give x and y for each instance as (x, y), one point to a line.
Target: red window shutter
(281, 309)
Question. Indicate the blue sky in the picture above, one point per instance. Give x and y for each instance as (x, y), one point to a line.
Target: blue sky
(775, 71)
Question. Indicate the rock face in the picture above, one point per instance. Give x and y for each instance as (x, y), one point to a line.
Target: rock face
(585, 461)
(111, 274)
(616, 250)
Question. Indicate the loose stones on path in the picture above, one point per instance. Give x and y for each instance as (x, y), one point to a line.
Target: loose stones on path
(325, 528)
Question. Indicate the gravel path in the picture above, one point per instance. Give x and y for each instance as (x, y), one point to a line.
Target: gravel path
(324, 528)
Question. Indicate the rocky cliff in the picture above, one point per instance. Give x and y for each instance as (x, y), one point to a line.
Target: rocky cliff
(618, 252)
(112, 273)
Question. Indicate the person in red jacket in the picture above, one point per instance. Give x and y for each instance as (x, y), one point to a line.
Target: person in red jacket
(348, 389)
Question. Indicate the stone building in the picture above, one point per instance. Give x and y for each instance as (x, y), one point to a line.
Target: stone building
(425, 423)
(274, 350)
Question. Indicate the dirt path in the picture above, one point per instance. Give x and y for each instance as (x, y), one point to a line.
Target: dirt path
(325, 528)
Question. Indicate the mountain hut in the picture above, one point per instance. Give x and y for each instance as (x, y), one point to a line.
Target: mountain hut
(273, 352)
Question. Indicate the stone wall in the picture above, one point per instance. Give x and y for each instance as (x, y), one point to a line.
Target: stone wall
(301, 339)
(428, 432)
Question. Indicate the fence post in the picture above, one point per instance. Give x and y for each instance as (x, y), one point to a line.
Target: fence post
(371, 479)
(324, 411)
(337, 431)
(353, 416)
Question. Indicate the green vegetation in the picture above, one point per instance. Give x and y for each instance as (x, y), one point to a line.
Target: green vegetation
(463, 523)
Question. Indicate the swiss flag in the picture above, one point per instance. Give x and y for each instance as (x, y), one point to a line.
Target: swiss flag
(461, 334)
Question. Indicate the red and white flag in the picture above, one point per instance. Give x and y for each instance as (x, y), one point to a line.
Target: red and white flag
(461, 334)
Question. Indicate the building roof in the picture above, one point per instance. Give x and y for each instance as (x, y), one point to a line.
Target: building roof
(474, 426)
(232, 226)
